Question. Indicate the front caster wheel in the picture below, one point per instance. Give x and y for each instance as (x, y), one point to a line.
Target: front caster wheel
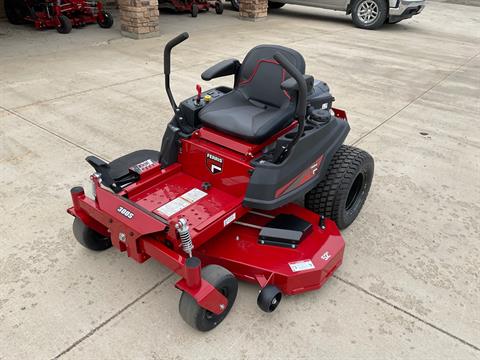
(200, 318)
(269, 298)
(90, 238)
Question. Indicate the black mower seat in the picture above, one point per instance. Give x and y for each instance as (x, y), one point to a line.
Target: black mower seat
(257, 107)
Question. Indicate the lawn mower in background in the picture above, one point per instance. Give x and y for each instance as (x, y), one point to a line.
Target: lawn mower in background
(191, 6)
(219, 202)
(59, 14)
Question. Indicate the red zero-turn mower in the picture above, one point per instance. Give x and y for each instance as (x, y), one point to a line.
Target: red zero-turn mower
(192, 6)
(216, 204)
(59, 14)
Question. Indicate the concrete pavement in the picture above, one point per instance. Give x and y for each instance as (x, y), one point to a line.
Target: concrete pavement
(409, 286)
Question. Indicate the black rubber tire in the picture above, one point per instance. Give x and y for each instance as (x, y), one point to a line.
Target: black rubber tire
(200, 318)
(344, 189)
(275, 5)
(89, 238)
(65, 25)
(269, 298)
(107, 22)
(379, 21)
(219, 7)
(194, 11)
(235, 4)
(16, 11)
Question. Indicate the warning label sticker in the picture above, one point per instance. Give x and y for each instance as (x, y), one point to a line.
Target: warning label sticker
(301, 265)
(181, 202)
(194, 195)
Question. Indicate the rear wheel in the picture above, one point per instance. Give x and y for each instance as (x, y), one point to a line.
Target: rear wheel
(107, 21)
(65, 25)
(344, 189)
(16, 11)
(275, 5)
(369, 14)
(200, 318)
(89, 238)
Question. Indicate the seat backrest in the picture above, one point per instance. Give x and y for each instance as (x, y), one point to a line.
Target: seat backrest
(260, 75)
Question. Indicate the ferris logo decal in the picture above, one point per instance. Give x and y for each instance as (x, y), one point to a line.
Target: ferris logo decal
(214, 163)
(127, 213)
(316, 165)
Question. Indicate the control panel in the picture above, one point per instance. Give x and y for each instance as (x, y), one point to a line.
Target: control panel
(192, 106)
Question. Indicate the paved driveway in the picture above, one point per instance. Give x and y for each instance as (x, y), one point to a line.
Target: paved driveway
(409, 286)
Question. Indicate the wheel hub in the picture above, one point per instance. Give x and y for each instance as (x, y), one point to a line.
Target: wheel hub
(368, 11)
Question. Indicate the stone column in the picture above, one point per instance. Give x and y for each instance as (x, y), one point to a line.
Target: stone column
(253, 10)
(139, 19)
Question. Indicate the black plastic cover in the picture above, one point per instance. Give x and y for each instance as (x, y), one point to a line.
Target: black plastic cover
(285, 230)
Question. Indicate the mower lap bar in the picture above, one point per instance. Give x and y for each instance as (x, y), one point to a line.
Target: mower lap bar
(223, 68)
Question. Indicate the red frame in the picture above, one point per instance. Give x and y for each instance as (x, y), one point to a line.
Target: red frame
(183, 6)
(80, 12)
(217, 236)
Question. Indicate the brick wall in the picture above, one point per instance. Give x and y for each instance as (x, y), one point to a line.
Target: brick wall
(139, 18)
(253, 9)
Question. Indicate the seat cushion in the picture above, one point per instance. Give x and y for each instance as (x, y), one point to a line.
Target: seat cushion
(251, 120)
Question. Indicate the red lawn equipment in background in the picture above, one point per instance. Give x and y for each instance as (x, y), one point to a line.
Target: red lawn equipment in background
(59, 14)
(219, 202)
(191, 6)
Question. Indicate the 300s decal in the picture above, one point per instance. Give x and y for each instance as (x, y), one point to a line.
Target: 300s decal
(127, 213)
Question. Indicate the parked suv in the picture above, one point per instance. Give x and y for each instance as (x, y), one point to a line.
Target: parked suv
(366, 14)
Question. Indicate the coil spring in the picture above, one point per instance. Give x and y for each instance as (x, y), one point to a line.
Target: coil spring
(185, 236)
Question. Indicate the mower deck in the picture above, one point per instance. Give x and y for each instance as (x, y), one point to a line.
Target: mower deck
(293, 270)
(171, 194)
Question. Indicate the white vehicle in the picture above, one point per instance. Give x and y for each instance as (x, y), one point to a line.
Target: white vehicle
(366, 14)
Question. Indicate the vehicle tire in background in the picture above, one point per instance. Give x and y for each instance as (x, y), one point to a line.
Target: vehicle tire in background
(16, 11)
(275, 5)
(219, 7)
(107, 21)
(369, 14)
(235, 4)
(194, 12)
(65, 25)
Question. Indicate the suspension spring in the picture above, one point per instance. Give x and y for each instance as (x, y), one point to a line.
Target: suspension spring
(185, 236)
